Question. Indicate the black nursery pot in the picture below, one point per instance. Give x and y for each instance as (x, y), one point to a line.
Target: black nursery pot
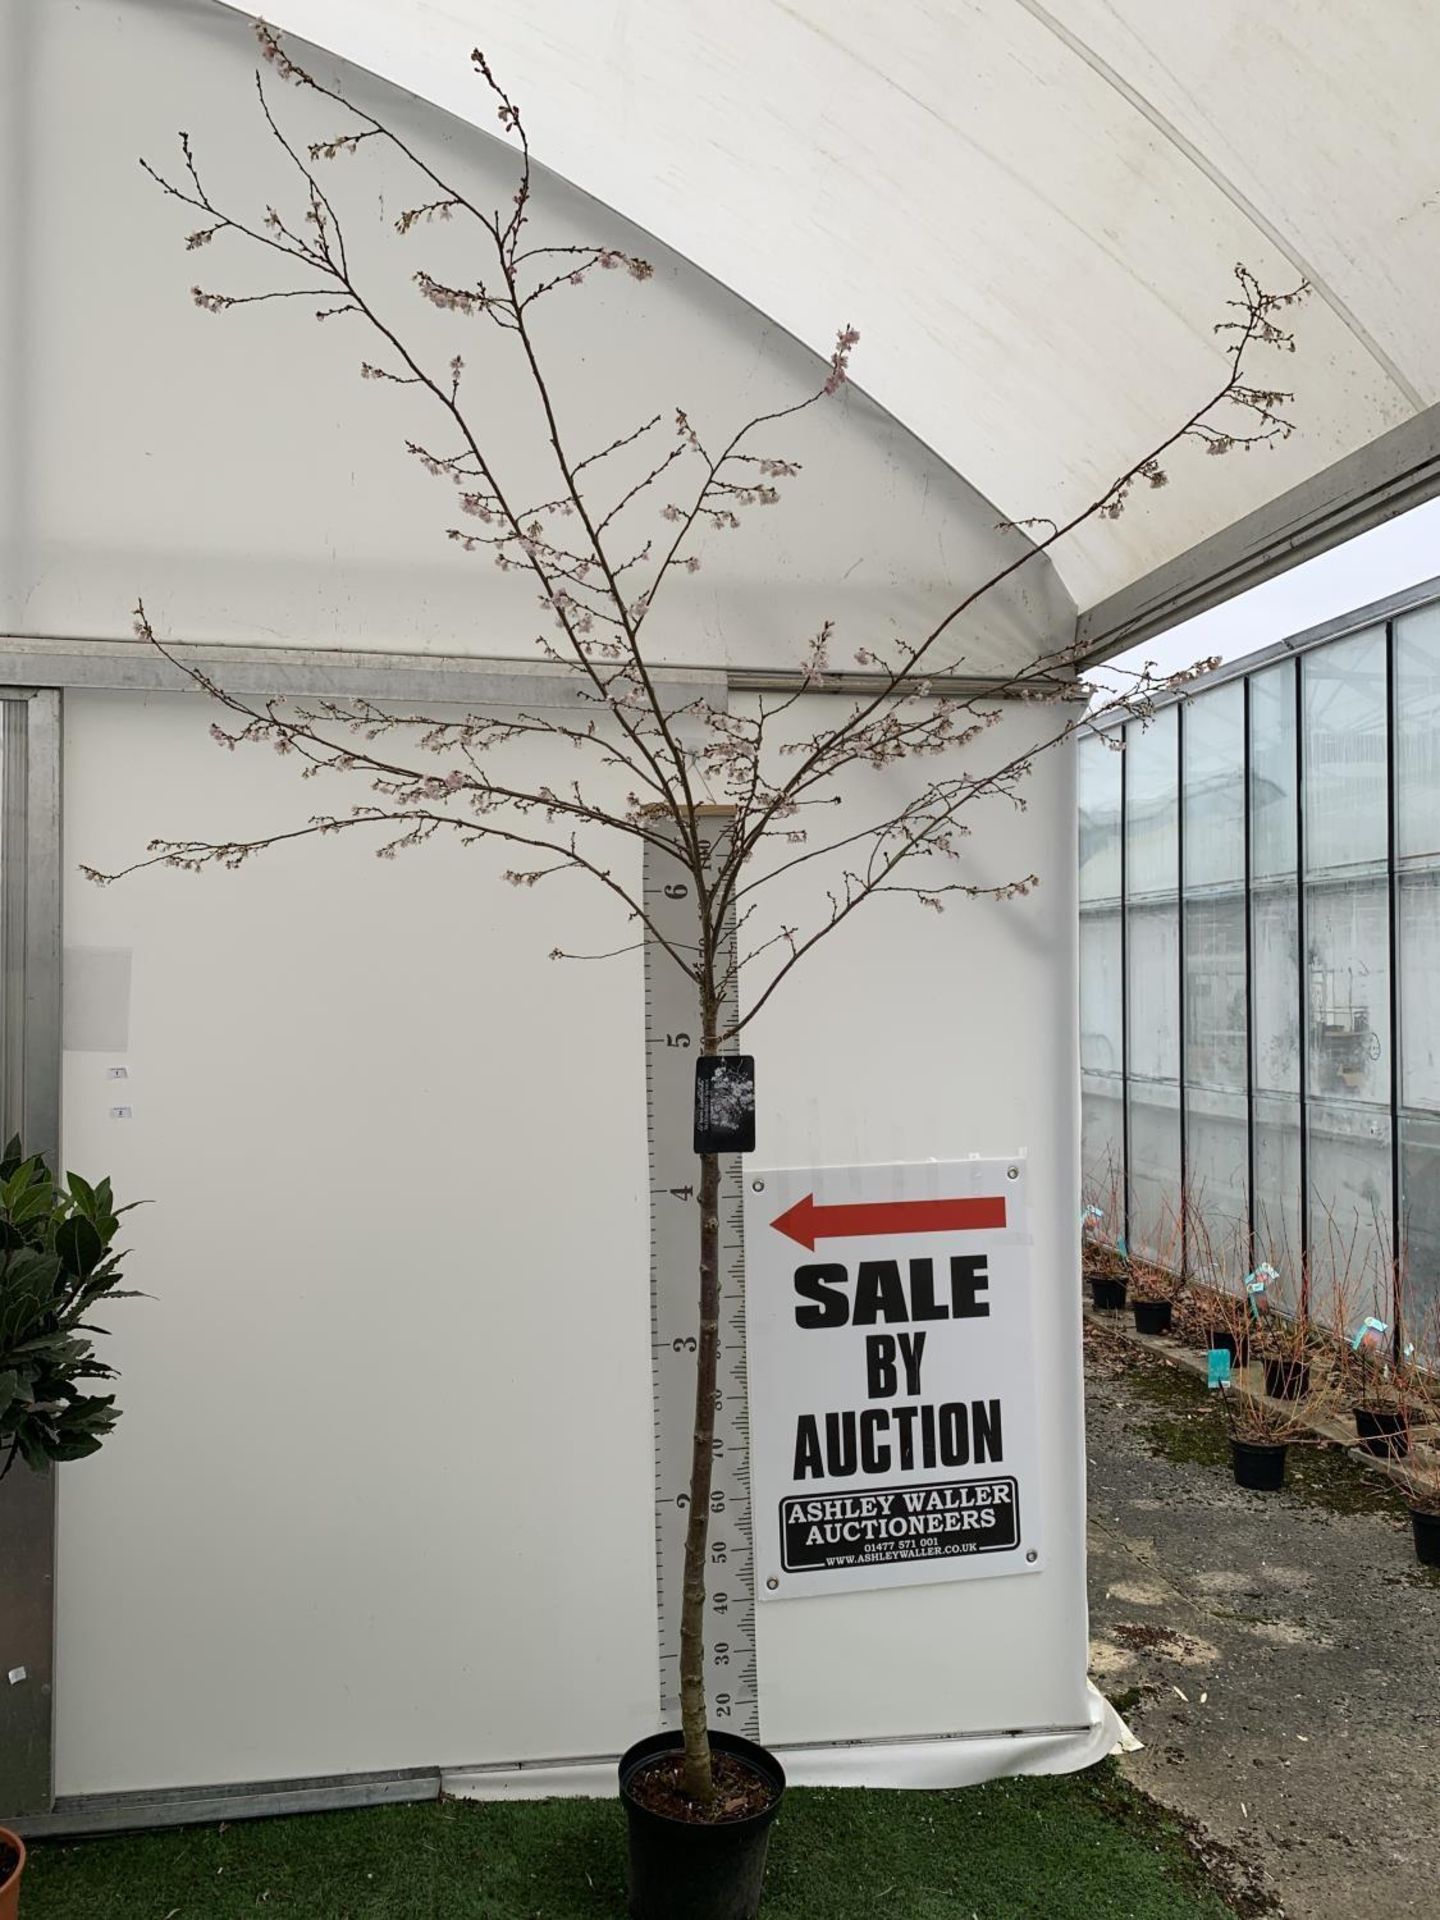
(682, 1870)
(1259, 1467)
(1287, 1379)
(1427, 1537)
(1108, 1295)
(1382, 1431)
(1152, 1316)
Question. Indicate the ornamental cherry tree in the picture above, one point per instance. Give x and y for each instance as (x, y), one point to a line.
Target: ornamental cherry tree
(736, 800)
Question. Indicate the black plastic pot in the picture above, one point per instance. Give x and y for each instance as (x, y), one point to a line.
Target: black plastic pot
(1287, 1379)
(1258, 1466)
(1222, 1340)
(1383, 1431)
(682, 1870)
(1108, 1295)
(1152, 1316)
(1427, 1537)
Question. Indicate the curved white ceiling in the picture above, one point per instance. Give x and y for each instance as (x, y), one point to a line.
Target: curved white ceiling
(1030, 211)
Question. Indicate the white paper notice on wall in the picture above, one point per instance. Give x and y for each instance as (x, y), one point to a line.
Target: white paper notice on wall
(891, 1371)
(96, 990)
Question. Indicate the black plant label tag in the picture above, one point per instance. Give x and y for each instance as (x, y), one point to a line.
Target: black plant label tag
(725, 1103)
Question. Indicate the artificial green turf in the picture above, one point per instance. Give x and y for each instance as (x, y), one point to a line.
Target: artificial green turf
(1077, 1848)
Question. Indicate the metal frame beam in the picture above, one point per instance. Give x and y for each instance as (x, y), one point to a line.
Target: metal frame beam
(145, 1809)
(1128, 732)
(1395, 1254)
(130, 666)
(1247, 803)
(1182, 954)
(1302, 986)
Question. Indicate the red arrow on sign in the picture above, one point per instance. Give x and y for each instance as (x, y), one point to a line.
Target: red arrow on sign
(807, 1223)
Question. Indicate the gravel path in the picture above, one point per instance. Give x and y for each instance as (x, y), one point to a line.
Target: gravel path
(1275, 1653)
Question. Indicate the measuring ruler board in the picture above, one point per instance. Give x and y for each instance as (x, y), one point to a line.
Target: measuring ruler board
(672, 1041)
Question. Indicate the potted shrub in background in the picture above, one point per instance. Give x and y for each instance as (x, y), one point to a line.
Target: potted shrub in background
(1262, 1430)
(1423, 1495)
(1212, 1314)
(1226, 1317)
(1108, 1270)
(1154, 1292)
(1284, 1344)
(1419, 1477)
(1375, 1358)
(1157, 1280)
(57, 1264)
(1104, 1257)
(1227, 1321)
(1379, 1391)
(1418, 1469)
(1104, 1263)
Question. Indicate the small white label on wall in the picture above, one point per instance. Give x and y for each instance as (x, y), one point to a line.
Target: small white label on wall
(122, 1113)
(16, 1675)
(96, 986)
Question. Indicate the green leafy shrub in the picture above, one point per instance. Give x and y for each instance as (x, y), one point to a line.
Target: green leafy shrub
(56, 1264)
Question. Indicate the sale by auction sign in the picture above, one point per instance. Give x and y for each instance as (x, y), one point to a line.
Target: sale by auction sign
(892, 1397)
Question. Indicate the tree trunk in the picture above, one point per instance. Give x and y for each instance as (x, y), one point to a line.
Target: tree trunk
(698, 1782)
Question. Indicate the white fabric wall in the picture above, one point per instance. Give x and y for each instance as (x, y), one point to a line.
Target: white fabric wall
(382, 1492)
(384, 1496)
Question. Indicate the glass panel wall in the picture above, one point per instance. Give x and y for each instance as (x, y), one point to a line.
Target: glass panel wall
(1216, 1015)
(1152, 1012)
(1417, 842)
(1274, 786)
(1345, 756)
(1102, 1003)
(1260, 956)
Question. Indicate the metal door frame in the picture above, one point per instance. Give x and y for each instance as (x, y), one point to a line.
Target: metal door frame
(30, 1010)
